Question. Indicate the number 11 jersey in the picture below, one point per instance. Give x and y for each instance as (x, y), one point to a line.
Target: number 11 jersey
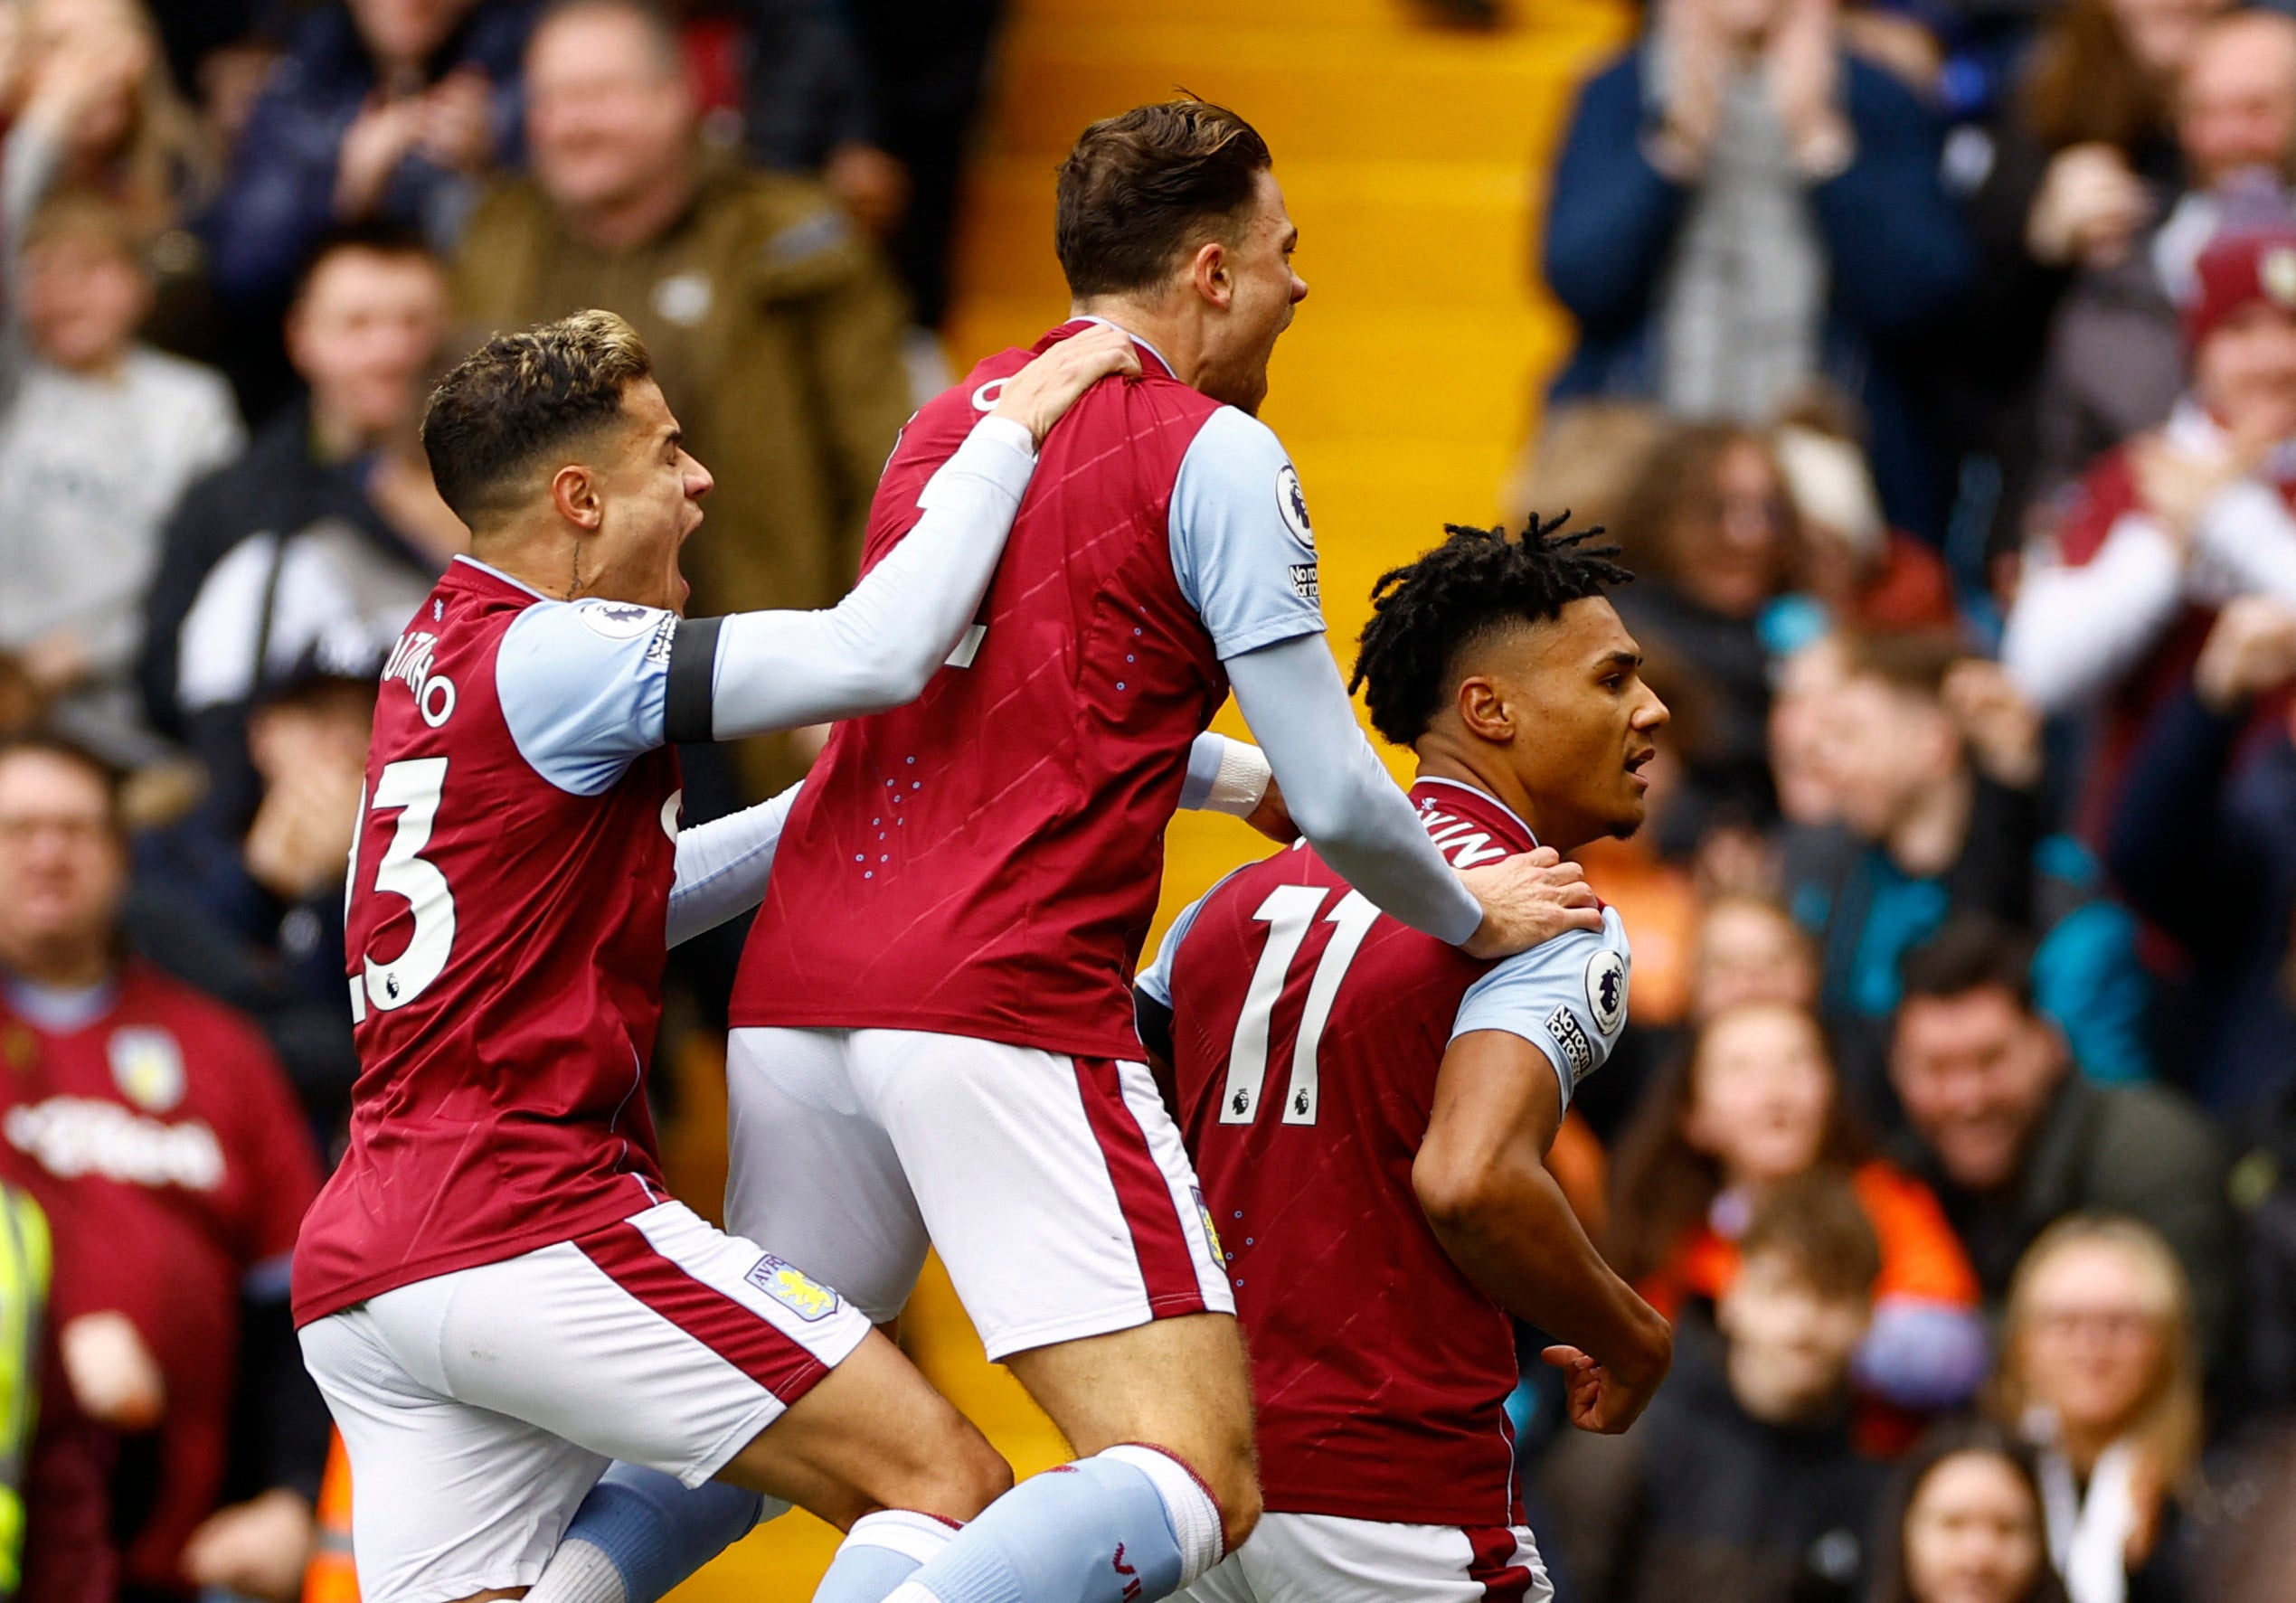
(505, 924)
(1307, 1032)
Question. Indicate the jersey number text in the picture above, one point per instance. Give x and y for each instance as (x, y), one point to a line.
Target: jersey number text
(1288, 912)
(412, 787)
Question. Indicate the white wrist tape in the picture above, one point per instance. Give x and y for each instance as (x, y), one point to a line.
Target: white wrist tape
(1242, 781)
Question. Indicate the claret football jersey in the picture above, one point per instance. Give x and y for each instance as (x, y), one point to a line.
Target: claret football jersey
(1307, 1029)
(507, 928)
(985, 861)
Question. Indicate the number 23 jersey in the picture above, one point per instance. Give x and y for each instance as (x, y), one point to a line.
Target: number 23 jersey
(1308, 1030)
(505, 925)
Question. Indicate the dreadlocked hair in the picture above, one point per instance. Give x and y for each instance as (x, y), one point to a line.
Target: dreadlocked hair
(1477, 582)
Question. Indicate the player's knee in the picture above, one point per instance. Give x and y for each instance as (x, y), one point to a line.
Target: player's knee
(1239, 1505)
(1232, 1475)
(969, 1480)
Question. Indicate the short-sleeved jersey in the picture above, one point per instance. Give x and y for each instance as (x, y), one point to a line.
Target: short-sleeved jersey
(161, 1138)
(505, 932)
(1308, 1030)
(986, 861)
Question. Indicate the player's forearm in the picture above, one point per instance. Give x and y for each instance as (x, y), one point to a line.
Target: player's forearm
(879, 647)
(722, 866)
(1337, 793)
(1511, 1230)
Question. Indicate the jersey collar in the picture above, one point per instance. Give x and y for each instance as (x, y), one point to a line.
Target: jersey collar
(491, 572)
(1162, 360)
(1469, 824)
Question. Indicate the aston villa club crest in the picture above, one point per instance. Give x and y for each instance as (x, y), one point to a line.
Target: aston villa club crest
(148, 1067)
(793, 1288)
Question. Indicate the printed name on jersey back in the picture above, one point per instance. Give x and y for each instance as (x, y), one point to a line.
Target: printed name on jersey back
(1462, 842)
(410, 665)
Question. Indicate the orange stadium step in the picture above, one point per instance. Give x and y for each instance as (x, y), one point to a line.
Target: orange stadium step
(1412, 159)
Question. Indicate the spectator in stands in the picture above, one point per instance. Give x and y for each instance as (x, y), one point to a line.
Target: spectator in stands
(775, 329)
(2100, 1369)
(1740, 209)
(2116, 355)
(2204, 844)
(159, 1136)
(101, 114)
(2116, 597)
(1708, 530)
(2066, 178)
(1749, 950)
(308, 735)
(323, 537)
(389, 109)
(1859, 572)
(1799, 725)
(1934, 765)
(1964, 1523)
(1754, 1106)
(1740, 1481)
(99, 437)
(2011, 1139)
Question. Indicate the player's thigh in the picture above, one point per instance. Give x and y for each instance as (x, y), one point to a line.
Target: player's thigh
(874, 1433)
(1055, 1189)
(449, 1501)
(1295, 1558)
(1182, 1384)
(812, 1178)
(658, 1340)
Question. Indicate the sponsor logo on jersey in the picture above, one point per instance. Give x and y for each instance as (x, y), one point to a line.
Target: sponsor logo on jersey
(1306, 583)
(1210, 1231)
(1291, 501)
(616, 620)
(148, 1067)
(1563, 1024)
(410, 665)
(1606, 990)
(658, 649)
(71, 1136)
(793, 1288)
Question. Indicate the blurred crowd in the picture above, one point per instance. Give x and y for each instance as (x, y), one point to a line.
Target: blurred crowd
(1936, 370)
(238, 239)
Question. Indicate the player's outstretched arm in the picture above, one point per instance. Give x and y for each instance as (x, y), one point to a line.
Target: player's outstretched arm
(1481, 1178)
(879, 647)
(1342, 799)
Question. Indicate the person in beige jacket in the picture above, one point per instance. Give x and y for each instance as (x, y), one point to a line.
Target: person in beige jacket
(776, 330)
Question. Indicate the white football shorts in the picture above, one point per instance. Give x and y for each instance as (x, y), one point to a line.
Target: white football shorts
(1055, 1188)
(1301, 1557)
(479, 1407)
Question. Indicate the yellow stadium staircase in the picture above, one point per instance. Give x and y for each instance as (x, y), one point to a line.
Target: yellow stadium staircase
(1412, 159)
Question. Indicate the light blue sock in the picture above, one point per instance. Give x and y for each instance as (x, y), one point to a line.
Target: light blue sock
(881, 1550)
(1129, 1525)
(639, 1532)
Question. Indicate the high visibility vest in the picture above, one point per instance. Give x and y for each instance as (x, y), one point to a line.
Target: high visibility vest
(25, 1261)
(332, 1577)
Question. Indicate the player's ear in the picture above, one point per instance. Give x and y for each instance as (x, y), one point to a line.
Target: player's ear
(1483, 708)
(574, 493)
(1208, 274)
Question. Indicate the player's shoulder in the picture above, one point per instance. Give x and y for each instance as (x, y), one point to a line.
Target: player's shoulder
(567, 635)
(1595, 966)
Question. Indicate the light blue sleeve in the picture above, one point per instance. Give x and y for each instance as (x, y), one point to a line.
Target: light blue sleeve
(1156, 980)
(582, 686)
(1566, 996)
(1242, 546)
